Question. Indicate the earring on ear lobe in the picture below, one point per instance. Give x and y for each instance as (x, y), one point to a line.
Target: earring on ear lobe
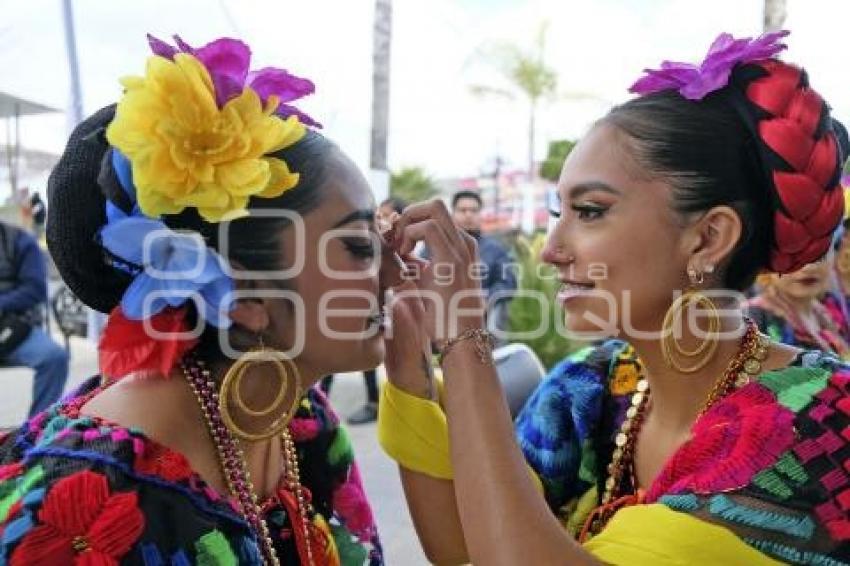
(697, 277)
(284, 403)
(675, 355)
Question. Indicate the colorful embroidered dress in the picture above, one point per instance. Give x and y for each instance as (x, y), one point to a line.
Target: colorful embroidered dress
(833, 336)
(770, 462)
(78, 490)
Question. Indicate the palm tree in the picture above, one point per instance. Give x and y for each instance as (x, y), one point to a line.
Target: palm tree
(526, 75)
(774, 14)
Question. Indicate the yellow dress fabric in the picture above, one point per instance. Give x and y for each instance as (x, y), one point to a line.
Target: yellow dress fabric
(414, 432)
(655, 535)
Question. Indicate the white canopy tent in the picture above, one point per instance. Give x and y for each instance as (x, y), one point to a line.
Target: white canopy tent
(12, 109)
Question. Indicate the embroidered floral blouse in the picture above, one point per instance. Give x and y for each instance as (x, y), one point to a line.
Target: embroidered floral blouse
(834, 336)
(77, 490)
(770, 462)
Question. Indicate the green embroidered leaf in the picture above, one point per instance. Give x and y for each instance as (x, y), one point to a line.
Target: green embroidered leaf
(340, 452)
(587, 470)
(789, 466)
(795, 386)
(20, 486)
(770, 481)
(350, 550)
(213, 549)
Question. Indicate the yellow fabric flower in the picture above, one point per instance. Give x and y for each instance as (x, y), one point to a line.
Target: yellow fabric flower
(626, 372)
(186, 152)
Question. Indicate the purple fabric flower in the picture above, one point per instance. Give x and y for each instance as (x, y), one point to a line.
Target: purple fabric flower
(228, 62)
(694, 82)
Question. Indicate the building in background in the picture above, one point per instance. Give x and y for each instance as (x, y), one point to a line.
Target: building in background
(522, 205)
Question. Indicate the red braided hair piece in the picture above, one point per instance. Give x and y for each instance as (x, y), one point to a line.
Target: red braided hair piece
(812, 202)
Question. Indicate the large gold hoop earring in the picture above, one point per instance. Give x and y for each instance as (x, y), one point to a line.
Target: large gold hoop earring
(672, 349)
(290, 387)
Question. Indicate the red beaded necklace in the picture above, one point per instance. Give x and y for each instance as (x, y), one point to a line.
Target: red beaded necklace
(235, 471)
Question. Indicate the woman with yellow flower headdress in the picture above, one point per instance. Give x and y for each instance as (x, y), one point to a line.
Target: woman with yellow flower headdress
(211, 223)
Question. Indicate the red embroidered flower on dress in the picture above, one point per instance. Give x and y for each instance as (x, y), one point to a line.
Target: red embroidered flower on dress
(157, 460)
(82, 524)
(737, 438)
(126, 347)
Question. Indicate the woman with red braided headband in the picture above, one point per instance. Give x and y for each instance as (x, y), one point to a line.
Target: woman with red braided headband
(691, 438)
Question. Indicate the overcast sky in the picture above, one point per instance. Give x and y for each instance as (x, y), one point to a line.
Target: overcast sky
(598, 48)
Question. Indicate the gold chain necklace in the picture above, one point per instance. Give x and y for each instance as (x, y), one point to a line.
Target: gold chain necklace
(235, 470)
(745, 365)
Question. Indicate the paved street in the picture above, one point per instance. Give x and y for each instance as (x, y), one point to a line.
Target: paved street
(379, 472)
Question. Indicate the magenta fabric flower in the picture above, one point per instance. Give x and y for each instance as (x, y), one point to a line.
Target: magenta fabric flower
(694, 82)
(228, 62)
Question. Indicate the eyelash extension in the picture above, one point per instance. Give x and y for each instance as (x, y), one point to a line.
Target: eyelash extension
(595, 212)
(360, 249)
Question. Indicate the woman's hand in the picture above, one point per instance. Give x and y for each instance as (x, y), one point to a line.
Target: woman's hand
(408, 359)
(451, 294)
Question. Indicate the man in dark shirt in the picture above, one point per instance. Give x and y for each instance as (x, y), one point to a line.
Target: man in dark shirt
(23, 294)
(498, 274)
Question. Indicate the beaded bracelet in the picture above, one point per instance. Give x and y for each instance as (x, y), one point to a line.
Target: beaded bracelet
(484, 344)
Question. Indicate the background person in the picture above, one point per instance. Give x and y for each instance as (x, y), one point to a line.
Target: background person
(498, 273)
(23, 299)
(799, 309)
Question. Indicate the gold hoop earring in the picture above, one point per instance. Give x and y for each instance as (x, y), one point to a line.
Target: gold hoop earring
(290, 385)
(672, 349)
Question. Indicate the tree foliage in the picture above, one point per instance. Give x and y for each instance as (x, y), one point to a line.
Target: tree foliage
(527, 314)
(525, 75)
(551, 167)
(412, 184)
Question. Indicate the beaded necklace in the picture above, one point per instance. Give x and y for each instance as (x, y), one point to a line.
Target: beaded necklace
(745, 365)
(232, 461)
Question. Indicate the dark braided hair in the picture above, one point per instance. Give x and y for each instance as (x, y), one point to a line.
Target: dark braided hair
(765, 146)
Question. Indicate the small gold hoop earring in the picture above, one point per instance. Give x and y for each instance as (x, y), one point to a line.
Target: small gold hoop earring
(231, 385)
(672, 349)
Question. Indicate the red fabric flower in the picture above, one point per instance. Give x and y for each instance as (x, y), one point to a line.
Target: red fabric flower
(126, 347)
(737, 438)
(157, 460)
(82, 524)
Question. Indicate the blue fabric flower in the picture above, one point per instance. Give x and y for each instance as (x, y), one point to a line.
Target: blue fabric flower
(175, 266)
(123, 170)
